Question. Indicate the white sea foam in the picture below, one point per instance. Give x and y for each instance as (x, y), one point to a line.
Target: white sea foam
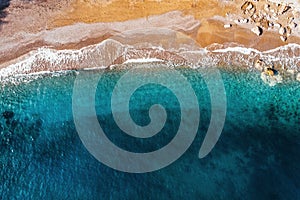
(143, 60)
(102, 55)
(56, 60)
(242, 50)
(27, 78)
(95, 68)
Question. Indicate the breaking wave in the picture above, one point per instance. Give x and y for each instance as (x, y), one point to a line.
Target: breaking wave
(160, 46)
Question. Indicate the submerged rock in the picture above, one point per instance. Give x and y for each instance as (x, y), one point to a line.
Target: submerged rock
(8, 114)
(270, 71)
(271, 77)
(271, 80)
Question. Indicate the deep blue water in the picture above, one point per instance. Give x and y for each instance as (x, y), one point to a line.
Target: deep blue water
(257, 156)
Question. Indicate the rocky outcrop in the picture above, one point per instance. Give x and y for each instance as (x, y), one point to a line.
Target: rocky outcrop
(265, 16)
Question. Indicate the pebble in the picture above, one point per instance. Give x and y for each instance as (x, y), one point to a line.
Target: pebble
(227, 25)
(244, 21)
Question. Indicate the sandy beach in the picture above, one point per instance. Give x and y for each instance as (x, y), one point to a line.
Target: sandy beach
(215, 24)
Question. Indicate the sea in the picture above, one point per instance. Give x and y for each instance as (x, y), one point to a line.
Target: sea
(42, 155)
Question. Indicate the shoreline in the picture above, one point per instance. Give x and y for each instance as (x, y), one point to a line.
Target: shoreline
(110, 52)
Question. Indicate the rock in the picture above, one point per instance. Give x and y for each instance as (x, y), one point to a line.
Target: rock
(247, 6)
(292, 25)
(264, 23)
(288, 31)
(254, 17)
(298, 77)
(244, 21)
(282, 30)
(282, 8)
(276, 25)
(271, 80)
(267, 7)
(227, 25)
(283, 38)
(257, 30)
(271, 25)
(8, 114)
(270, 71)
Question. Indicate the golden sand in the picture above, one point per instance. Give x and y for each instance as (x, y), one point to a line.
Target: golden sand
(210, 31)
(91, 11)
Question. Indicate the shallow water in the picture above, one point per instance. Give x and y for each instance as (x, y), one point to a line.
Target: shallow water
(257, 156)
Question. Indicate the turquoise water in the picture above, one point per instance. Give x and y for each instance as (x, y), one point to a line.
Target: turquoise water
(257, 156)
